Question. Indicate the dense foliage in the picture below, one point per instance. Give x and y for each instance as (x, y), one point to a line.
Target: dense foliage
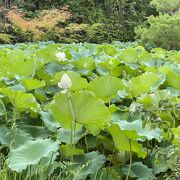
(163, 30)
(117, 17)
(91, 21)
(80, 111)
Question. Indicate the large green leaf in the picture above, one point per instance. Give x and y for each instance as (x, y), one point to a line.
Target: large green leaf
(30, 153)
(145, 57)
(139, 171)
(84, 65)
(88, 110)
(18, 137)
(129, 55)
(87, 164)
(31, 83)
(107, 142)
(69, 150)
(109, 49)
(109, 64)
(44, 76)
(17, 64)
(4, 131)
(35, 131)
(176, 133)
(23, 68)
(21, 101)
(175, 57)
(49, 121)
(122, 141)
(48, 54)
(64, 135)
(52, 68)
(13, 137)
(145, 83)
(173, 75)
(106, 87)
(135, 130)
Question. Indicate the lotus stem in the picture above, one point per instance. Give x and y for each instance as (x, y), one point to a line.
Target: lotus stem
(130, 160)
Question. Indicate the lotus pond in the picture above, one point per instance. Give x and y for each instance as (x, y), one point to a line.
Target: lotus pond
(86, 111)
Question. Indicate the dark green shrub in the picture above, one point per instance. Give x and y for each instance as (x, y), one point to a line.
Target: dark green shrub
(163, 30)
(117, 17)
(5, 38)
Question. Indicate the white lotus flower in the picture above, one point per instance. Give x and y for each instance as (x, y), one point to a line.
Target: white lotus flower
(85, 65)
(65, 82)
(61, 56)
(110, 63)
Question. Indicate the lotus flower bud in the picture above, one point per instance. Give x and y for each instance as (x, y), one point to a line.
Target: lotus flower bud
(110, 63)
(85, 65)
(61, 56)
(65, 82)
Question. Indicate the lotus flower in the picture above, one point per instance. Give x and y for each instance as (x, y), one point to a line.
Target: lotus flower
(65, 82)
(110, 63)
(85, 65)
(61, 56)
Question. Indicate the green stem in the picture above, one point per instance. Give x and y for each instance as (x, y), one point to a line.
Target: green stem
(109, 90)
(13, 127)
(20, 176)
(86, 143)
(5, 115)
(174, 123)
(130, 160)
(147, 147)
(38, 172)
(15, 176)
(74, 138)
(71, 138)
(110, 164)
(73, 120)
(50, 161)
